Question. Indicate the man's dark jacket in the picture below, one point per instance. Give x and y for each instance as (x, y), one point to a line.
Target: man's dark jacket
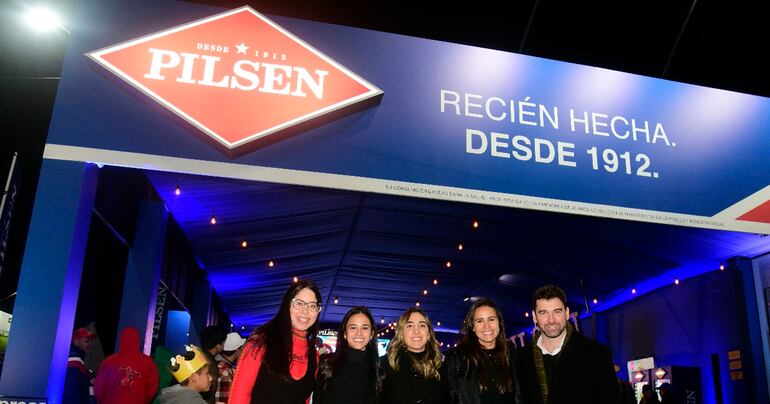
(583, 374)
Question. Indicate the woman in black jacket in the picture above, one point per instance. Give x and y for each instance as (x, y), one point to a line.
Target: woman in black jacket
(481, 369)
(350, 375)
(411, 367)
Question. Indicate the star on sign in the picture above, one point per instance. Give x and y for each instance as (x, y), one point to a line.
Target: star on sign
(242, 48)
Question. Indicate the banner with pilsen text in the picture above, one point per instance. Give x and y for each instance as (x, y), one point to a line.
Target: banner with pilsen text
(235, 93)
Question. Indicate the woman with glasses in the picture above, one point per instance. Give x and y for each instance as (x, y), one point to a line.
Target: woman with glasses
(278, 363)
(411, 367)
(481, 369)
(350, 375)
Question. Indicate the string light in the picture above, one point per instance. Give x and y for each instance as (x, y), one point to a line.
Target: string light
(382, 320)
(466, 299)
(270, 263)
(448, 264)
(213, 219)
(244, 243)
(435, 281)
(676, 281)
(475, 224)
(721, 266)
(633, 291)
(336, 300)
(178, 190)
(297, 280)
(596, 301)
(526, 314)
(460, 246)
(425, 292)
(438, 323)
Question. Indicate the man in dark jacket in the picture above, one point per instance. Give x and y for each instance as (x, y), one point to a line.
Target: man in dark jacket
(78, 378)
(129, 376)
(560, 365)
(213, 341)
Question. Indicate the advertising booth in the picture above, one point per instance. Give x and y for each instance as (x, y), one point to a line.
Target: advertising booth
(194, 90)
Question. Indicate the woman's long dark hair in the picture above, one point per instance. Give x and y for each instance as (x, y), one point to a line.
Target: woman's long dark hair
(275, 336)
(329, 368)
(471, 349)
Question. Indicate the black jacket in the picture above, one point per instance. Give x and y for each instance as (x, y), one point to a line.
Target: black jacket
(460, 378)
(583, 374)
(406, 386)
(352, 382)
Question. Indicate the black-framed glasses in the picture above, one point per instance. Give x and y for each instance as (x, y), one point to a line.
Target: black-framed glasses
(299, 304)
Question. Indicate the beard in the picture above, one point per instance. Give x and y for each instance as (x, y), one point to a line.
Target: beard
(553, 332)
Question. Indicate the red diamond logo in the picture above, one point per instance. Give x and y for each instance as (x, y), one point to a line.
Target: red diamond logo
(236, 76)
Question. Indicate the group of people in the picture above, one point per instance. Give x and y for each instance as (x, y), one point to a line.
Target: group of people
(131, 377)
(280, 363)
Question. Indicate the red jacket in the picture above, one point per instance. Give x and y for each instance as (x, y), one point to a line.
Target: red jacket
(127, 377)
(249, 365)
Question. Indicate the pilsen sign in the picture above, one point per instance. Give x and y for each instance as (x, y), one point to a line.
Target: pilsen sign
(236, 76)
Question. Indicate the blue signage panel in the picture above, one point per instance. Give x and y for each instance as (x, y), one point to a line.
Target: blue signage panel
(454, 122)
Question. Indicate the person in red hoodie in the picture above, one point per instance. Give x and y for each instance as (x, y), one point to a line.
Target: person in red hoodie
(278, 362)
(127, 377)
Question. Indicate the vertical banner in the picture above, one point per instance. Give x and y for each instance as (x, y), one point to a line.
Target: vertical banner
(10, 192)
(160, 311)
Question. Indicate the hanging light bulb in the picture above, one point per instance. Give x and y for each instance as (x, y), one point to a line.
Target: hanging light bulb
(425, 292)
(721, 266)
(633, 291)
(178, 190)
(270, 263)
(676, 281)
(475, 224)
(435, 281)
(438, 323)
(460, 246)
(213, 219)
(295, 279)
(244, 243)
(382, 320)
(526, 314)
(417, 304)
(336, 300)
(596, 301)
(448, 264)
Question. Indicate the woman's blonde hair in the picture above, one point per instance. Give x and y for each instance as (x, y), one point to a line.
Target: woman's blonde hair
(428, 366)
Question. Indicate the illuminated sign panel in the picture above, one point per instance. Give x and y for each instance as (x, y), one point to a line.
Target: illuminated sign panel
(236, 76)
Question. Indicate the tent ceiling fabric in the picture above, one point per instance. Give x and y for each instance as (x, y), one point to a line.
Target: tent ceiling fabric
(382, 251)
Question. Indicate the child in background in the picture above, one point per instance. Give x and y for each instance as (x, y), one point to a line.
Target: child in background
(191, 371)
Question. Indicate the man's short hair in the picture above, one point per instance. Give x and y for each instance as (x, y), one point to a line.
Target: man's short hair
(186, 382)
(212, 336)
(549, 292)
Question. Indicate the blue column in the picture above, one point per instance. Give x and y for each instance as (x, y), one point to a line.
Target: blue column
(44, 312)
(145, 258)
(755, 333)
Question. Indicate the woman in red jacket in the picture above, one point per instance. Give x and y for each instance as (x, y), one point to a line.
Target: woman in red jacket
(278, 363)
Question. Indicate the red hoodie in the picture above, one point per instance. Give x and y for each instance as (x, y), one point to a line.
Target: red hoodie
(127, 377)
